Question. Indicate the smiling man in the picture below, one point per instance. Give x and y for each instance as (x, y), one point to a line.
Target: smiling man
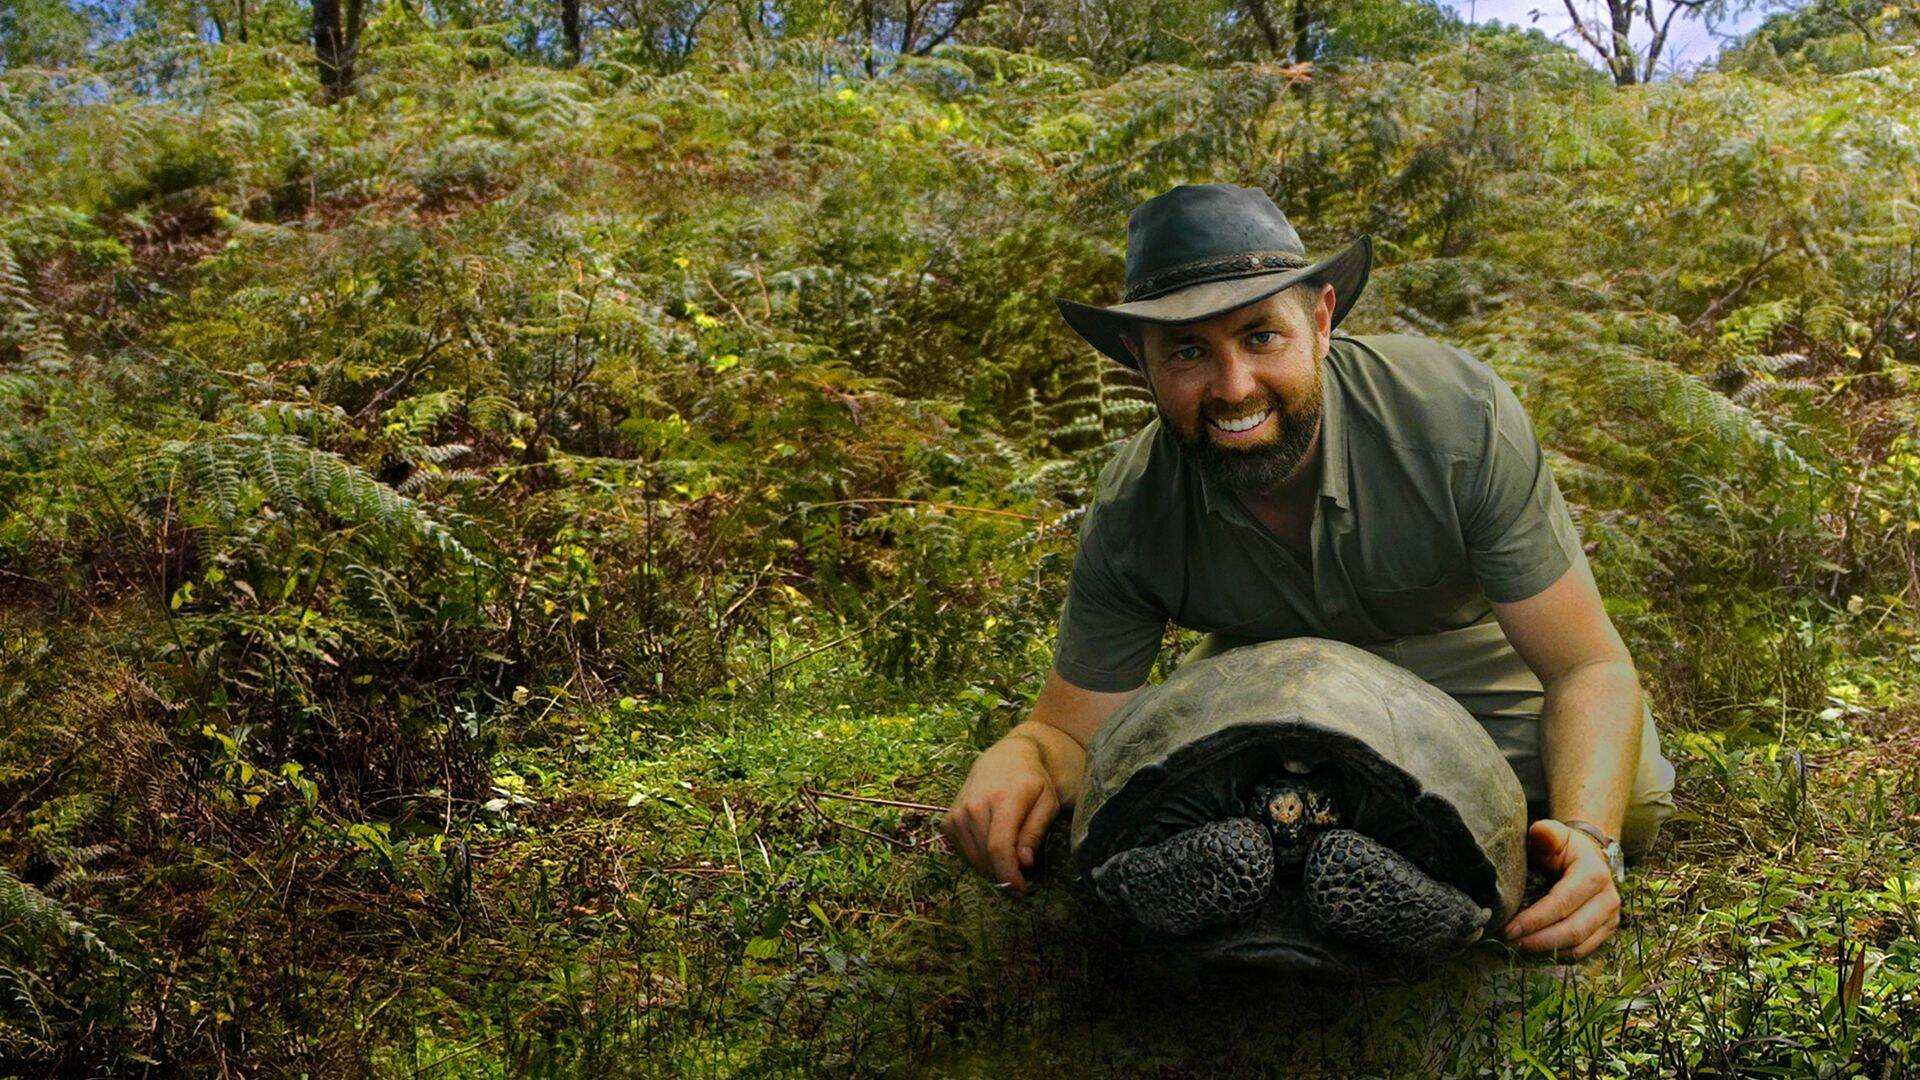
(1386, 491)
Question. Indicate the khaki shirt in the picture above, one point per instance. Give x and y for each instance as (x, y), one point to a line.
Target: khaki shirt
(1434, 499)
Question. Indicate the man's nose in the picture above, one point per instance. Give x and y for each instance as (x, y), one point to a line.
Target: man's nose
(1233, 381)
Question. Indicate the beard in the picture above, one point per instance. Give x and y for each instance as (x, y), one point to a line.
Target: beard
(1256, 469)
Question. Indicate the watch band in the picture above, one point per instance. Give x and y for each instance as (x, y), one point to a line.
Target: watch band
(1609, 847)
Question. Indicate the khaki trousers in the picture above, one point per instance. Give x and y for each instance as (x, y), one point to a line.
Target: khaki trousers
(1480, 669)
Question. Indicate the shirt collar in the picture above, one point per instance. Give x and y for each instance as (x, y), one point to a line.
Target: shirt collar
(1333, 450)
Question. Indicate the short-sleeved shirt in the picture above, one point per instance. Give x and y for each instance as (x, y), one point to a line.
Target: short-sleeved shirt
(1435, 498)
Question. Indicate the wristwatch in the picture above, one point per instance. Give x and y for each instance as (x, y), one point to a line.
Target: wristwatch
(1616, 859)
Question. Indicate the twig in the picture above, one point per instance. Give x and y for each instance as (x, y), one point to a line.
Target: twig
(897, 915)
(725, 299)
(470, 1047)
(1705, 319)
(766, 301)
(923, 502)
(870, 799)
(817, 650)
(814, 806)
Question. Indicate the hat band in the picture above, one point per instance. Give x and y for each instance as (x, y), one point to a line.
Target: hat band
(1230, 266)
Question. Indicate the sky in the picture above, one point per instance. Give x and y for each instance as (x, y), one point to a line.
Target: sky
(1689, 43)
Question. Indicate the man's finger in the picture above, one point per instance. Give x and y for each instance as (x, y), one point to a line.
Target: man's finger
(1547, 841)
(1566, 897)
(1592, 940)
(1002, 830)
(1598, 938)
(1034, 829)
(959, 829)
(950, 829)
(1596, 915)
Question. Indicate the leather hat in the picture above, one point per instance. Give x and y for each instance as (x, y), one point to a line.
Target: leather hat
(1203, 249)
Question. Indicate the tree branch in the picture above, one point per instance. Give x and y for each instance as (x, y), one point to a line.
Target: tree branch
(965, 11)
(1580, 27)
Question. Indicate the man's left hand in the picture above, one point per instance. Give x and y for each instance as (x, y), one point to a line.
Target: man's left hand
(1582, 909)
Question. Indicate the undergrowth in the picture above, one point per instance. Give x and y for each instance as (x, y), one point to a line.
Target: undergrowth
(472, 557)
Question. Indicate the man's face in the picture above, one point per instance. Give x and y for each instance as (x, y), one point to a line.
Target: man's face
(1241, 391)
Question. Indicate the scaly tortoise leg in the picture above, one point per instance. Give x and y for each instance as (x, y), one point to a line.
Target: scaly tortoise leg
(1365, 892)
(1212, 875)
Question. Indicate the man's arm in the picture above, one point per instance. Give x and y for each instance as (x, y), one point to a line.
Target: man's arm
(1020, 783)
(1590, 747)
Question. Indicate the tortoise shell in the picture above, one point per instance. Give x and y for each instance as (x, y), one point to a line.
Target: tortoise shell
(1414, 770)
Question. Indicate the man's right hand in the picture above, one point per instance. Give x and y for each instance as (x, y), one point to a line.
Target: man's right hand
(1004, 808)
(1019, 784)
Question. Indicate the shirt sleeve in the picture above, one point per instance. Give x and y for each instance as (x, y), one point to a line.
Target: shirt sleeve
(1109, 632)
(1520, 538)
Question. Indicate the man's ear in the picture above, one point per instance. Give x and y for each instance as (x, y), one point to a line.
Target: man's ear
(1319, 314)
(1135, 341)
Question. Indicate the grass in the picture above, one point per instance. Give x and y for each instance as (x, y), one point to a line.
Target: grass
(662, 897)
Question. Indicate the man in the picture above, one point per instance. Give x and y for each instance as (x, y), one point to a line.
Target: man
(1386, 491)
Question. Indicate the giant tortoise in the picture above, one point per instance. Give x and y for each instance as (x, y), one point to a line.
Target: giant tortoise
(1304, 805)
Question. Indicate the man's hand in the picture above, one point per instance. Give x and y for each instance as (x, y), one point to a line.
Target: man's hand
(1003, 810)
(1582, 909)
(1019, 784)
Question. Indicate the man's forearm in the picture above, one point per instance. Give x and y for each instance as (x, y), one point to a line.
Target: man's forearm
(1590, 743)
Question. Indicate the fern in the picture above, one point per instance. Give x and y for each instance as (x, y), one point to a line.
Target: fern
(1692, 410)
(23, 323)
(15, 297)
(27, 914)
(294, 478)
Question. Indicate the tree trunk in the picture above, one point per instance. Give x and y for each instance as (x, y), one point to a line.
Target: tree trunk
(330, 49)
(334, 43)
(866, 19)
(908, 29)
(1262, 18)
(1621, 61)
(570, 27)
(1302, 31)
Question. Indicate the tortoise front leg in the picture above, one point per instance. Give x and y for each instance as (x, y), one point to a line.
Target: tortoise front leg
(1364, 891)
(1211, 875)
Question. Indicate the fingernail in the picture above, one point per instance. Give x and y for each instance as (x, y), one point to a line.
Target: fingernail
(1026, 854)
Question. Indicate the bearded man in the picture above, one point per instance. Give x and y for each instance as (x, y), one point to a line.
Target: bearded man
(1383, 490)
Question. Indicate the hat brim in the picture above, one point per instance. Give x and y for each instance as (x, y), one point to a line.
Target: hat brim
(1103, 327)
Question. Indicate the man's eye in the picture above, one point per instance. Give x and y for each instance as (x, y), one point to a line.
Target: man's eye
(1186, 355)
(1261, 337)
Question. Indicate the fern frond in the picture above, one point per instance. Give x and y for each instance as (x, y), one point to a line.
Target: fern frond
(367, 589)
(440, 455)
(295, 478)
(1778, 362)
(26, 911)
(1692, 408)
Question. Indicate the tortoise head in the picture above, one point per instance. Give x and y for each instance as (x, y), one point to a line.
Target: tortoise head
(1295, 807)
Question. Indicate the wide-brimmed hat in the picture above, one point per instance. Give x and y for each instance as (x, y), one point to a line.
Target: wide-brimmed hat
(1203, 249)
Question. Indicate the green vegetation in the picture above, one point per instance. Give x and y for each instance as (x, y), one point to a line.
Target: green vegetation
(460, 547)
